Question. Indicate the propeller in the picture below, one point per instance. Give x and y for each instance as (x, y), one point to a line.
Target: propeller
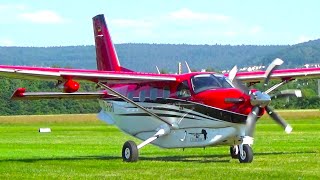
(274, 65)
(260, 100)
(236, 82)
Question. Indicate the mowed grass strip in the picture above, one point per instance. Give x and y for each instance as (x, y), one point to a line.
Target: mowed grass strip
(82, 147)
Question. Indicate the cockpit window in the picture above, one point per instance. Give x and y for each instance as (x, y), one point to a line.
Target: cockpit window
(183, 90)
(204, 82)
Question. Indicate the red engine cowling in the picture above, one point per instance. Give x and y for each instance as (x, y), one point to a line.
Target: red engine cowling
(71, 86)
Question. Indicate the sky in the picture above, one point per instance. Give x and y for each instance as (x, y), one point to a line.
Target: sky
(249, 22)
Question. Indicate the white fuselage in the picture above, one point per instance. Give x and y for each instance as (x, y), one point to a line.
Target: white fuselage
(194, 129)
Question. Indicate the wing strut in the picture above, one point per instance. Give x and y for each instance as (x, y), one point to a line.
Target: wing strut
(175, 126)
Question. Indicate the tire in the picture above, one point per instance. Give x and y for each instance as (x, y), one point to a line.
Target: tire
(130, 152)
(247, 155)
(234, 151)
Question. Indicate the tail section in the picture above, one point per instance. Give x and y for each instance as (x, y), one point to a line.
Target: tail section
(107, 59)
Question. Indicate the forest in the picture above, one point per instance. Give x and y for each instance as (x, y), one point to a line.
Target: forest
(143, 57)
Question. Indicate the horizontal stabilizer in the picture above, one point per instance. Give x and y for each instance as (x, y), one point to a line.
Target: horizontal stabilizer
(21, 94)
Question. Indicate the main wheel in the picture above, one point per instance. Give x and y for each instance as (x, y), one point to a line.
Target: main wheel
(247, 155)
(130, 152)
(234, 151)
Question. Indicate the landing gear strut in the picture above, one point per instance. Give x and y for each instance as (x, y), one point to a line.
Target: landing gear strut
(130, 151)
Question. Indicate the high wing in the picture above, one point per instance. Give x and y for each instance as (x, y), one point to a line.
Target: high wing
(21, 94)
(281, 74)
(62, 74)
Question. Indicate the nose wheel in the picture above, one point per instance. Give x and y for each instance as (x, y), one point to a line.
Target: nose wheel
(245, 155)
(130, 152)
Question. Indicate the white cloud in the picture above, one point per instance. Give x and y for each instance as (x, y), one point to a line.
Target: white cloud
(6, 42)
(255, 30)
(42, 17)
(304, 38)
(187, 14)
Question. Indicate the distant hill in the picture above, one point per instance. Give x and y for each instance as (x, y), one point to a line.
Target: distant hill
(297, 55)
(144, 57)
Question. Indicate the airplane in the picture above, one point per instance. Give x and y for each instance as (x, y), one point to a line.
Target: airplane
(194, 109)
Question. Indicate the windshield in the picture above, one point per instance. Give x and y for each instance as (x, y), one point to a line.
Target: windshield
(204, 82)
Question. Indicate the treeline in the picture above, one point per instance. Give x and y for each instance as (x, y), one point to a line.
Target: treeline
(9, 107)
(310, 98)
(142, 57)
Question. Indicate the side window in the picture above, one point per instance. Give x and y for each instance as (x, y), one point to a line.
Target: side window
(166, 92)
(142, 95)
(130, 95)
(183, 90)
(153, 94)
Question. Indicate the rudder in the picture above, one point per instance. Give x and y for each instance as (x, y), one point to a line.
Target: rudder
(106, 56)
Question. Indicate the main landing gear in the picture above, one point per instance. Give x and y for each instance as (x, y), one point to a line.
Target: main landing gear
(243, 152)
(130, 151)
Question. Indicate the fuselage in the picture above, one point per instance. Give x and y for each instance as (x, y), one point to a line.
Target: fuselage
(199, 103)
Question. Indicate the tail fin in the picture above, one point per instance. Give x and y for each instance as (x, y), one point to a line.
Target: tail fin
(107, 59)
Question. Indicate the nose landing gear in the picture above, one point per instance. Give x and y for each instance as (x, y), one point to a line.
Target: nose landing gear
(243, 152)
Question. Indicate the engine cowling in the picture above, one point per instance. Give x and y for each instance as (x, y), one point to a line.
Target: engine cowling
(71, 86)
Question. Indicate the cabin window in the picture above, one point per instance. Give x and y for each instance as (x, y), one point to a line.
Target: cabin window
(166, 92)
(183, 90)
(142, 95)
(130, 95)
(153, 94)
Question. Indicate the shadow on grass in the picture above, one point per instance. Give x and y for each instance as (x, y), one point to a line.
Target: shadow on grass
(187, 158)
(190, 158)
(200, 159)
(279, 153)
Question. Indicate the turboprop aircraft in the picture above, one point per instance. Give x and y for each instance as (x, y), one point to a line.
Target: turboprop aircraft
(195, 109)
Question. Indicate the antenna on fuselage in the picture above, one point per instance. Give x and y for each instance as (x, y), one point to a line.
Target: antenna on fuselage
(189, 70)
(158, 70)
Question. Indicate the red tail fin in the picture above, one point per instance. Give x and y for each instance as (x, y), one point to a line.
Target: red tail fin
(107, 59)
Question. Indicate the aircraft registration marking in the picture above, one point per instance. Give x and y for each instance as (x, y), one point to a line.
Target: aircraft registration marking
(196, 139)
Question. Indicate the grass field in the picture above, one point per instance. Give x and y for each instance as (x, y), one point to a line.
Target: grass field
(82, 147)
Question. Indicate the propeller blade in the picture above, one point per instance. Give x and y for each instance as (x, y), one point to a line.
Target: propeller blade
(275, 63)
(278, 119)
(233, 72)
(251, 121)
(287, 93)
(237, 83)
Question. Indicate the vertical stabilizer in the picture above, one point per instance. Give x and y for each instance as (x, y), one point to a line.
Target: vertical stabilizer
(107, 59)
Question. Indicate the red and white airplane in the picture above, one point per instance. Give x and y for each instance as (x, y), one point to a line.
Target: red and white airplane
(196, 109)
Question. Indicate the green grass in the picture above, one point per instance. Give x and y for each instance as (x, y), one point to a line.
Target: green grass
(82, 147)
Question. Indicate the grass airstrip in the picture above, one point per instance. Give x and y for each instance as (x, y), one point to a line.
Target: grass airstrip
(82, 147)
